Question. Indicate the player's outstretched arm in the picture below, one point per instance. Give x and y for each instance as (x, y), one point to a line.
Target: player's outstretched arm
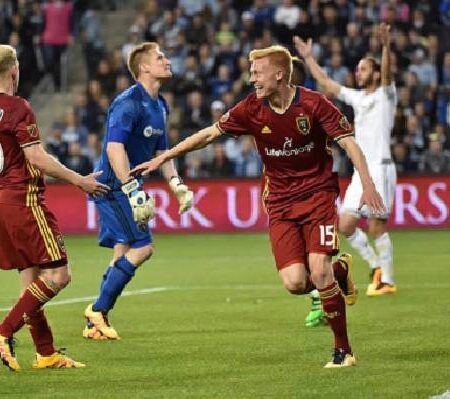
(198, 140)
(42, 160)
(386, 74)
(305, 50)
(370, 195)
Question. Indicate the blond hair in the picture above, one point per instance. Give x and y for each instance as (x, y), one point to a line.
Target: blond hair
(8, 58)
(279, 56)
(136, 55)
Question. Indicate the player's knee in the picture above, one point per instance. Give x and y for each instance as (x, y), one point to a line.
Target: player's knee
(346, 228)
(58, 278)
(294, 287)
(320, 275)
(145, 253)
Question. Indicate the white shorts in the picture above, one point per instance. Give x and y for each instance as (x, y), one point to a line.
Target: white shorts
(385, 178)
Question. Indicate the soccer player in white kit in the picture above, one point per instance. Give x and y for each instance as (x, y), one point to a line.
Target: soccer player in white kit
(374, 108)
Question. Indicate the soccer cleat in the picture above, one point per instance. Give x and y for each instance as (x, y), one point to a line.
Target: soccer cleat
(101, 323)
(7, 354)
(57, 360)
(315, 318)
(341, 359)
(351, 293)
(90, 332)
(376, 281)
(381, 289)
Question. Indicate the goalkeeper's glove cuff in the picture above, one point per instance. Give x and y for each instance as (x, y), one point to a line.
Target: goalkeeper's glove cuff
(130, 187)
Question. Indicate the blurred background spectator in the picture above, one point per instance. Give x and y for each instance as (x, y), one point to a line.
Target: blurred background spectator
(208, 42)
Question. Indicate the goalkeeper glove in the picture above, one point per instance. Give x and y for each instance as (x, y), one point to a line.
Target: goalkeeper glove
(142, 205)
(182, 192)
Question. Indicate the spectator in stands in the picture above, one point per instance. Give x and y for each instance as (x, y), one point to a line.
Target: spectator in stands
(222, 83)
(106, 77)
(197, 115)
(76, 160)
(57, 36)
(55, 144)
(220, 165)
(73, 131)
(435, 159)
(248, 163)
(91, 37)
(424, 69)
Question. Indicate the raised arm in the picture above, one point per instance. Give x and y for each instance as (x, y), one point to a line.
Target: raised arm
(370, 195)
(42, 160)
(386, 74)
(198, 140)
(305, 50)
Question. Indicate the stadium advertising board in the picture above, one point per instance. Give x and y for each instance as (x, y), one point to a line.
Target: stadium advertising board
(235, 205)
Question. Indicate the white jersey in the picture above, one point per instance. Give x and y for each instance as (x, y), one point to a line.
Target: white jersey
(374, 120)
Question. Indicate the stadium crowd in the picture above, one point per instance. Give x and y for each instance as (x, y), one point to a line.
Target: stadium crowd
(208, 41)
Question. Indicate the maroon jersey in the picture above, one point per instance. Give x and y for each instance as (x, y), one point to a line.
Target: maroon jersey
(294, 146)
(20, 182)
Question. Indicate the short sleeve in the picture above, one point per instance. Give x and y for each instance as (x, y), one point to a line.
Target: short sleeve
(349, 96)
(235, 121)
(27, 132)
(332, 121)
(390, 92)
(121, 121)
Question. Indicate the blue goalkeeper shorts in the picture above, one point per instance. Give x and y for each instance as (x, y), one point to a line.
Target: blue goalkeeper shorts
(116, 224)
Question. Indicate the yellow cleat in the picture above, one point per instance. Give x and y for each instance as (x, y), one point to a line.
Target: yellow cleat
(7, 354)
(90, 332)
(100, 322)
(351, 295)
(56, 361)
(341, 359)
(381, 289)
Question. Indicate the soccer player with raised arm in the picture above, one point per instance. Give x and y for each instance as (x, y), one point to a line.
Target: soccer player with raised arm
(374, 106)
(136, 131)
(30, 240)
(293, 128)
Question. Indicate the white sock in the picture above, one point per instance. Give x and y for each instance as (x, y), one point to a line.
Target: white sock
(358, 241)
(385, 258)
(316, 304)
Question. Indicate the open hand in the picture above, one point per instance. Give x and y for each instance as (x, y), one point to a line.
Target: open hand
(373, 200)
(385, 35)
(90, 185)
(302, 47)
(146, 167)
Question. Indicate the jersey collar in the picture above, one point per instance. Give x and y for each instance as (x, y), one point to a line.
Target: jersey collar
(295, 99)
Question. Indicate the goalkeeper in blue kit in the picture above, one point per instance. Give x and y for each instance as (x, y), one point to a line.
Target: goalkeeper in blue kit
(135, 132)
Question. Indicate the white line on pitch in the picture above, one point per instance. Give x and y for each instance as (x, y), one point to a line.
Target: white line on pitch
(146, 291)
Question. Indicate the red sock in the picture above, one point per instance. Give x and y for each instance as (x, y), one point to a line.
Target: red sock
(340, 274)
(32, 299)
(41, 333)
(334, 307)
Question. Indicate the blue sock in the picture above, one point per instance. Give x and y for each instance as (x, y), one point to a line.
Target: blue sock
(117, 277)
(105, 277)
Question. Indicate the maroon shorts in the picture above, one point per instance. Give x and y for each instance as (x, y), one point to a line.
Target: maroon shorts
(303, 227)
(29, 236)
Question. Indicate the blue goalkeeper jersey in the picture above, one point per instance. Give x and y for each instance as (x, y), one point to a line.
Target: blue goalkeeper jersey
(139, 122)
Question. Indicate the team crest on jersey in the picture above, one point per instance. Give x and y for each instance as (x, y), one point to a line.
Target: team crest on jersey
(2, 112)
(32, 130)
(266, 130)
(344, 123)
(303, 124)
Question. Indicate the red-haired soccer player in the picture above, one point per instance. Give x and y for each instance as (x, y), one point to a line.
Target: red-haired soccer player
(293, 128)
(30, 239)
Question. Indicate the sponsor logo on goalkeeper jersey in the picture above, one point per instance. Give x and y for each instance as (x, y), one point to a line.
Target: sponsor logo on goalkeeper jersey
(288, 150)
(150, 131)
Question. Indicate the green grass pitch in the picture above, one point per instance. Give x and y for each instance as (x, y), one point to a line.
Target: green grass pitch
(222, 326)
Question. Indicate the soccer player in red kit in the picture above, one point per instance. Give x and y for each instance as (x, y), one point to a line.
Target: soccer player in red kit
(293, 128)
(30, 239)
